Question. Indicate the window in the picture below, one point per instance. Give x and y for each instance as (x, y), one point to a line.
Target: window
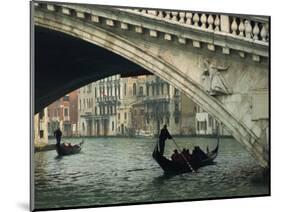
(95, 110)
(41, 133)
(176, 119)
(147, 90)
(41, 114)
(118, 116)
(125, 115)
(141, 91)
(125, 89)
(65, 111)
(66, 98)
(113, 126)
(162, 89)
(95, 92)
(176, 107)
(210, 122)
(168, 89)
(119, 90)
(134, 89)
(167, 120)
(157, 89)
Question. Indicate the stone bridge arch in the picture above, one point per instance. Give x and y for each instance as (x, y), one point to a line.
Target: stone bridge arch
(164, 67)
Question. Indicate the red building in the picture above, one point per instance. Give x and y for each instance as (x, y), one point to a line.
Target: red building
(63, 113)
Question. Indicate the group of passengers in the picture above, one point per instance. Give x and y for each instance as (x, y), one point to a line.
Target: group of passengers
(197, 155)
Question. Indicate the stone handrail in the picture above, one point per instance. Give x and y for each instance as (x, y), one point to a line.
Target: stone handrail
(243, 34)
(250, 27)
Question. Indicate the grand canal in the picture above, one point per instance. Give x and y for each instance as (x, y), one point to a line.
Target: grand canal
(121, 170)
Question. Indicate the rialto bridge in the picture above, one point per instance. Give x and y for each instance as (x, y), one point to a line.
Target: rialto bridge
(219, 61)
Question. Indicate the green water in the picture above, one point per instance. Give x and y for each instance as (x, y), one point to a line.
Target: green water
(121, 170)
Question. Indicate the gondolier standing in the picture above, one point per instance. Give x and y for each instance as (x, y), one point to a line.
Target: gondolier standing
(58, 135)
(164, 134)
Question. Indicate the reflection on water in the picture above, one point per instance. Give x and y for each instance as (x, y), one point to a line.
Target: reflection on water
(121, 170)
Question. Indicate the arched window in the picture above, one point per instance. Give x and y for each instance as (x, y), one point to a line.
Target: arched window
(83, 127)
(125, 89)
(134, 89)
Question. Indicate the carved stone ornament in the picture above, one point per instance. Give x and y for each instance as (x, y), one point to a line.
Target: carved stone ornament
(212, 79)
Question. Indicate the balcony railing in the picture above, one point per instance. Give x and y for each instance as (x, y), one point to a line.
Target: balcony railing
(163, 98)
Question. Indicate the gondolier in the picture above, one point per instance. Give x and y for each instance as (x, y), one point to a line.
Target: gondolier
(58, 135)
(164, 134)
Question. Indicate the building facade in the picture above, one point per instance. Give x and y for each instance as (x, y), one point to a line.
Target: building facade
(124, 106)
(207, 125)
(41, 128)
(98, 102)
(63, 113)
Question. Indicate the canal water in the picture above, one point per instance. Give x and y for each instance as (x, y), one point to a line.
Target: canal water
(121, 170)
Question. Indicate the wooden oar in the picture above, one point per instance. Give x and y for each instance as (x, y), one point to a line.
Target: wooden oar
(189, 165)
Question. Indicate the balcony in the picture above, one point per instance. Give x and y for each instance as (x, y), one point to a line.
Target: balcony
(158, 98)
(107, 99)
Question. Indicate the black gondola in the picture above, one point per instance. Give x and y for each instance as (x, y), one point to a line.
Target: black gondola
(69, 149)
(175, 167)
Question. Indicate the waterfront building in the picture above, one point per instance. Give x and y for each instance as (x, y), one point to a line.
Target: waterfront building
(164, 104)
(126, 106)
(63, 113)
(41, 128)
(206, 124)
(98, 103)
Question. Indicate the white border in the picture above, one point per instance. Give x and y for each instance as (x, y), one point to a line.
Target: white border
(14, 72)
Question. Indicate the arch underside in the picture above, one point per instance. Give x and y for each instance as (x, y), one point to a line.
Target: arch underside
(146, 61)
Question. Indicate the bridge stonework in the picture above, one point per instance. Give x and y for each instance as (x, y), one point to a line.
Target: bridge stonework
(220, 62)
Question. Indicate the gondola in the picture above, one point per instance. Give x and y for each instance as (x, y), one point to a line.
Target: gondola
(63, 149)
(175, 167)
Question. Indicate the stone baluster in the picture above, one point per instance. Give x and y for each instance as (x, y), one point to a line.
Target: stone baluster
(203, 21)
(210, 22)
(182, 15)
(264, 32)
(175, 16)
(152, 12)
(256, 31)
(196, 19)
(168, 17)
(160, 14)
(188, 18)
(241, 28)
(217, 23)
(248, 29)
(234, 26)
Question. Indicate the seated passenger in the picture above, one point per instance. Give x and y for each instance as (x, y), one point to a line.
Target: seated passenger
(175, 156)
(186, 154)
(198, 154)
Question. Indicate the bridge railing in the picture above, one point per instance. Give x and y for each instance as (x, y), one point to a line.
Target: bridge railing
(249, 27)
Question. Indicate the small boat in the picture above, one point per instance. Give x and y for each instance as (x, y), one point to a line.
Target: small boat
(176, 167)
(144, 134)
(68, 149)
